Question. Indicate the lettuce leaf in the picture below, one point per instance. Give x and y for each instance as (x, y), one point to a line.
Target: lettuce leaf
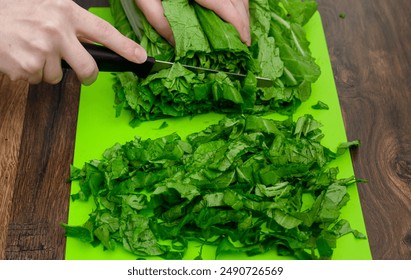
(279, 51)
(187, 31)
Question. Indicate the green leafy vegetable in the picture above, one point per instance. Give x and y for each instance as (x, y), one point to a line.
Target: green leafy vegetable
(187, 31)
(163, 125)
(348, 145)
(279, 51)
(320, 106)
(247, 184)
(299, 11)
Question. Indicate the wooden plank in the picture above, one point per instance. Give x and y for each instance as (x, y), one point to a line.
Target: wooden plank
(41, 191)
(370, 51)
(34, 195)
(13, 96)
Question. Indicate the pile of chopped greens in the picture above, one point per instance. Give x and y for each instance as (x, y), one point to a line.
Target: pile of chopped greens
(247, 184)
(279, 51)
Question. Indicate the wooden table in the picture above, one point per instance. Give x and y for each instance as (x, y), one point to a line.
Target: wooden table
(370, 51)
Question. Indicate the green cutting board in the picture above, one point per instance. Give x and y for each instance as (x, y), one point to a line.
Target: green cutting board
(99, 129)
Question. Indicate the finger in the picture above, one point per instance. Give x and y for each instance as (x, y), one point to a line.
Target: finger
(21, 71)
(98, 30)
(154, 12)
(32, 69)
(244, 15)
(247, 7)
(52, 72)
(80, 61)
(35, 78)
(242, 8)
(233, 12)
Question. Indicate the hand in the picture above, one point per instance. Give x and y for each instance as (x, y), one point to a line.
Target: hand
(37, 34)
(235, 12)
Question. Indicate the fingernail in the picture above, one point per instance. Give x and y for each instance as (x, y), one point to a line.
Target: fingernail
(171, 41)
(141, 54)
(90, 80)
(247, 36)
(248, 41)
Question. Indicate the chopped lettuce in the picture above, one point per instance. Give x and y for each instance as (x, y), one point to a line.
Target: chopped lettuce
(247, 184)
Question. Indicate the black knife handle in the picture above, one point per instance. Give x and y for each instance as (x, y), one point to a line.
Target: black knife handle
(109, 61)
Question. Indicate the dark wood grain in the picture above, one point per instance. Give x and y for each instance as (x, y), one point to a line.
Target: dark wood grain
(370, 50)
(13, 96)
(41, 193)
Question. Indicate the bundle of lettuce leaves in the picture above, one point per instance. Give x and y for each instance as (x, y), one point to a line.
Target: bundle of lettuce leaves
(279, 51)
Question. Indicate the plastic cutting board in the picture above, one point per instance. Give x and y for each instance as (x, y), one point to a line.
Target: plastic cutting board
(99, 129)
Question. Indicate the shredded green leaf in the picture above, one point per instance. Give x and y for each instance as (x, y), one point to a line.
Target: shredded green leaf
(320, 106)
(241, 185)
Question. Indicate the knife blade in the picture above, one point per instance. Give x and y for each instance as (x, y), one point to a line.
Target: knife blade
(109, 61)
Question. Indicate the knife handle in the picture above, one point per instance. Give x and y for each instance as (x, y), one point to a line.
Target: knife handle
(109, 61)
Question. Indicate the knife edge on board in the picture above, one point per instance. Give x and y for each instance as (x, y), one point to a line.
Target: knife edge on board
(109, 61)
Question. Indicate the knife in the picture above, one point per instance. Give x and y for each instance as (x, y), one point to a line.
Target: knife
(109, 61)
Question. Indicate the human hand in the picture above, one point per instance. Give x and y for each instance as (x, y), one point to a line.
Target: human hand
(235, 12)
(37, 34)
